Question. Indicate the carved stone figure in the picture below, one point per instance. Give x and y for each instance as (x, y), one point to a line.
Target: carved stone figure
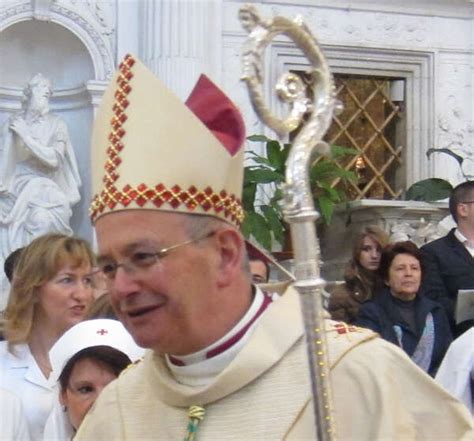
(39, 177)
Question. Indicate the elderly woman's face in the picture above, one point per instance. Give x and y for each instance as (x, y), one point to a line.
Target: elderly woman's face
(370, 253)
(88, 379)
(404, 276)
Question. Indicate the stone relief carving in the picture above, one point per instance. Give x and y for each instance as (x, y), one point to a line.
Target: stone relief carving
(358, 26)
(455, 132)
(418, 231)
(13, 8)
(100, 10)
(39, 177)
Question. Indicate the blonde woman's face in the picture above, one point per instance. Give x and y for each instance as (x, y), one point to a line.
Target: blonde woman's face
(370, 254)
(64, 300)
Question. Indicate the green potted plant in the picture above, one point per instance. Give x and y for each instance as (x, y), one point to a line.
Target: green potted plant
(434, 189)
(263, 217)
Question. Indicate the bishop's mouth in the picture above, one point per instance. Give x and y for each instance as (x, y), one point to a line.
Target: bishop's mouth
(140, 312)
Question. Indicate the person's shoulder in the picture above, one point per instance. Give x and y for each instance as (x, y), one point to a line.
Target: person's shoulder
(338, 290)
(343, 338)
(56, 121)
(371, 306)
(438, 243)
(18, 358)
(133, 370)
(374, 353)
(465, 341)
(427, 303)
(8, 400)
(4, 352)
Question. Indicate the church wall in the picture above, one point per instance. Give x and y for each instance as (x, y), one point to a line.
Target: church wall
(430, 41)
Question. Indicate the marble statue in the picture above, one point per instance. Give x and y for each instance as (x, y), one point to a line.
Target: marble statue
(39, 177)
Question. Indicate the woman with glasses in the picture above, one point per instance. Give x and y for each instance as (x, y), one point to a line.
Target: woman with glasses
(51, 291)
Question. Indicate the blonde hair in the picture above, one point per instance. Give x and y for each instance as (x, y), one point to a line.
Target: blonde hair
(39, 262)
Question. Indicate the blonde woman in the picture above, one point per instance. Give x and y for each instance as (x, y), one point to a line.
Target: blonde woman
(51, 291)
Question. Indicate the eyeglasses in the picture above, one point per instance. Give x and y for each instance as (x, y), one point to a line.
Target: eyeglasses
(141, 261)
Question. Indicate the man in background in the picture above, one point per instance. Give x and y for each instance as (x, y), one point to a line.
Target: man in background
(258, 263)
(448, 261)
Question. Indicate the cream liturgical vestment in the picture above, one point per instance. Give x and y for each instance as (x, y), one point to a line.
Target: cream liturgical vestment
(264, 393)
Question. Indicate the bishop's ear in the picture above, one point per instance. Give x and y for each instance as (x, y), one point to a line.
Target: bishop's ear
(231, 248)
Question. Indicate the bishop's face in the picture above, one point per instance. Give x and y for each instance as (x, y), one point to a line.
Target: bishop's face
(168, 306)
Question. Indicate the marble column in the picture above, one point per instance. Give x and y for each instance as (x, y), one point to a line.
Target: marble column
(180, 40)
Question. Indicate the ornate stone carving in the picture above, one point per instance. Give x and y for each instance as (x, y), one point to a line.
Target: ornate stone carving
(418, 231)
(455, 132)
(93, 21)
(100, 11)
(7, 10)
(100, 34)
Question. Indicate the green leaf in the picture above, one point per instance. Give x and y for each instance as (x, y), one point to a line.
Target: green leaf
(261, 175)
(259, 229)
(323, 171)
(274, 221)
(331, 193)
(429, 190)
(258, 138)
(260, 160)
(449, 152)
(348, 175)
(338, 151)
(274, 154)
(326, 206)
(248, 196)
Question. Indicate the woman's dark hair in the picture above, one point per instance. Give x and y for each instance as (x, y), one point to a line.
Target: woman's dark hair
(111, 358)
(10, 263)
(393, 250)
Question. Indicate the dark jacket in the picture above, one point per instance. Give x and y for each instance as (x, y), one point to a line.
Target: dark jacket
(345, 299)
(380, 315)
(448, 267)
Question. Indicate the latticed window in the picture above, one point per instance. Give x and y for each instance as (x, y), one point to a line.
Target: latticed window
(372, 123)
